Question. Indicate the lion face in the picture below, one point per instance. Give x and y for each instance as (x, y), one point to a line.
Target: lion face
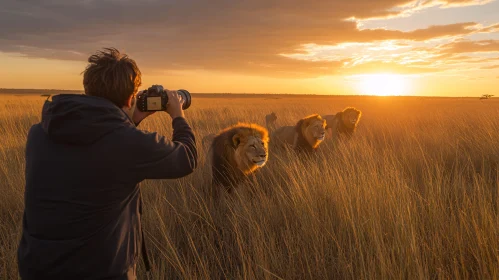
(351, 117)
(314, 130)
(251, 151)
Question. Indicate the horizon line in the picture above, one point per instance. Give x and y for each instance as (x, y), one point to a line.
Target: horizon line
(254, 93)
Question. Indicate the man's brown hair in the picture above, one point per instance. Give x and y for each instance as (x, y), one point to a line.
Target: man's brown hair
(112, 75)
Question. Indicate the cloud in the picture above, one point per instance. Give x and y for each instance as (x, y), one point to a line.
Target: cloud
(225, 35)
(490, 67)
(373, 67)
(431, 32)
(400, 57)
(415, 6)
(456, 3)
(490, 29)
(468, 46)
(481, 60)
(476, 78)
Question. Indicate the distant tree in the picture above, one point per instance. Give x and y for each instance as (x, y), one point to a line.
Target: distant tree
(486, 96)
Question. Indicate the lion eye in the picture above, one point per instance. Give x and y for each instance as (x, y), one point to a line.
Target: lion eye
(253, 146)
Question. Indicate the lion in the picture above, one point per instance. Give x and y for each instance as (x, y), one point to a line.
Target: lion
(306, 135)
(270, 121)
(237, 152)
(208, 139)
(343, 123)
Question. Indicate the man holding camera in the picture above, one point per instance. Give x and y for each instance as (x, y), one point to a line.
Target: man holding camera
(84, 160)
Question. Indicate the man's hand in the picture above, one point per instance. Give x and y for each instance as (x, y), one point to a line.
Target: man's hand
(174, 105)
(138, 115)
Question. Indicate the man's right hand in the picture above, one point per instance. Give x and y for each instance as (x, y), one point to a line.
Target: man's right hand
(174, 105)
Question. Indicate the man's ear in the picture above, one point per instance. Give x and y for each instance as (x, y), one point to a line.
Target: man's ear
(236, 139)
(131, 101)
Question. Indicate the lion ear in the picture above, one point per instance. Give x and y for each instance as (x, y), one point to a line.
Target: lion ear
(236, 139)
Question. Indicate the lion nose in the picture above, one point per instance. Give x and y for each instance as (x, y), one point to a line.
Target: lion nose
(263, 155)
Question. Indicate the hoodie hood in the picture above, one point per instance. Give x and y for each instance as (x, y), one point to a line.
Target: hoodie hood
(81, 119)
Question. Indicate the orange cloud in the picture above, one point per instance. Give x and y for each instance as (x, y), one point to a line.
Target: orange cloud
(410, 7)
(490, 67)
(467, 46)
(490, 29)
(396, 57)
(424, 4)
(431, 32)
(483, 60)
(460, 3)
(387, 67)
(239, 37)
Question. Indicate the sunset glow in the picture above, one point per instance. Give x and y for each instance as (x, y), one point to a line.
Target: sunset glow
(383, 84)
(451, 46)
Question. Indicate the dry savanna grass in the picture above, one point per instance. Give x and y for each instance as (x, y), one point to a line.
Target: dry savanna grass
(414, 194)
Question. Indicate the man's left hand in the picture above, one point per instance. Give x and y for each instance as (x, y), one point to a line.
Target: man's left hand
(138, 115)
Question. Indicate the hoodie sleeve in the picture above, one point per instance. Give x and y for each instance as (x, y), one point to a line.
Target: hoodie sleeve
(156, 157)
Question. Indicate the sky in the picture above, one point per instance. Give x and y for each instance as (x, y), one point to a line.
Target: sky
(382, 47)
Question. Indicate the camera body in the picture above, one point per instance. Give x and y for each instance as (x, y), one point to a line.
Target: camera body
(156, 99)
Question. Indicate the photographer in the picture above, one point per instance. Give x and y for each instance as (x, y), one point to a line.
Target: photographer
(84, 160)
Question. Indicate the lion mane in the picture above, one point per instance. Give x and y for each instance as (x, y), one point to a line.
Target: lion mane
(208, 139)
(230, 150)
(341, 122)
(299, 136)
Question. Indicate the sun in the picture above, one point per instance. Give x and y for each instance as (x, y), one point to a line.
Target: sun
(383, 84)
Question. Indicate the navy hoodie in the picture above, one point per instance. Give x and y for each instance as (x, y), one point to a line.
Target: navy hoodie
(82, 201)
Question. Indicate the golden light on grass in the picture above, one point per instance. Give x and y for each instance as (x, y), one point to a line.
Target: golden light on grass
(414, 195)
(383, 84)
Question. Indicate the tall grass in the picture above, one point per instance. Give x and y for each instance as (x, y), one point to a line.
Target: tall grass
(413, 196)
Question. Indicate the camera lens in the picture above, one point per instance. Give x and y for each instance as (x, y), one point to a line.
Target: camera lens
(186, 96)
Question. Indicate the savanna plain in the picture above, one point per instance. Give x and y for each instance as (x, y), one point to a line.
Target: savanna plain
(413, 195)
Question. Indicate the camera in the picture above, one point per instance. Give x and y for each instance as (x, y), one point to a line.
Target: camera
(156, 99)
